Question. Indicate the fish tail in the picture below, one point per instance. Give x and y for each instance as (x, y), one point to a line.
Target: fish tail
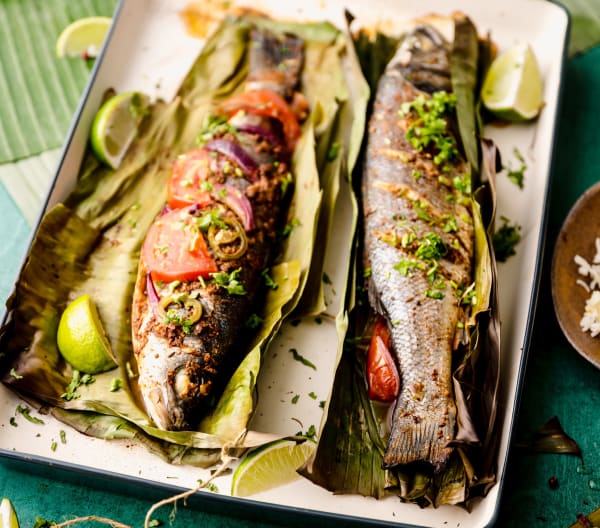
(425, 439)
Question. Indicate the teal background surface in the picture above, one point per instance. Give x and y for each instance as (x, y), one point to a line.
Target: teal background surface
(557, 381)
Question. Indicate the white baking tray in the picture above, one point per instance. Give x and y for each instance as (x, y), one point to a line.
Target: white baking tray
(149, 50)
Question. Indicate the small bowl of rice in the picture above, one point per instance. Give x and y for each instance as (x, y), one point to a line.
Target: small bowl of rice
(575, 276)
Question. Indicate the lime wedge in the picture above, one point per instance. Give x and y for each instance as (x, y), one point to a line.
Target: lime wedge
(81, 338)
(513, 86)
(116, 124)
(84, 37)
(8, 516)
(271, 465)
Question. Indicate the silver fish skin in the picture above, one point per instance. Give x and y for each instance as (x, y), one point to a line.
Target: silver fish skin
(411, 203)
(181, 371)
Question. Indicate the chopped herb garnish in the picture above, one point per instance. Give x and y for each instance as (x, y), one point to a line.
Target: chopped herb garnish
(25, 412)
(229, 281)
(322, 404)
(517, 176)
(210, 218)
(367, 273)
(429, 128)
(129, 369)
(269, 282)
(302, 359)
(312, 395)
(13, 422)
(116, 384)
(287, 229)
(137, 106)
(295, 398)
(333, 151)
(505, 239)
(210, 486)
(326, 279)
(53, 445)
(254, 321)
(63, 437)
(286, 181)
(40, 522)
(215, 125)
(77, 381)
(311, 433)
(434, 294)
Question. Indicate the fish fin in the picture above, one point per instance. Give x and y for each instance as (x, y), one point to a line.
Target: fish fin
(425, 439)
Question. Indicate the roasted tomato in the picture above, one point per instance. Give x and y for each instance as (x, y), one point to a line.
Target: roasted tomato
(382, 374)
(175, 248)
(188, 173)
(266, 103)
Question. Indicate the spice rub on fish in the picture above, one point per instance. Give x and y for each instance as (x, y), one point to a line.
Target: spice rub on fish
(418, 241)
(205, 255)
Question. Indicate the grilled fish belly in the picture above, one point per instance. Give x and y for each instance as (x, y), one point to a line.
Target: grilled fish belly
(188, 333)
(418, 245)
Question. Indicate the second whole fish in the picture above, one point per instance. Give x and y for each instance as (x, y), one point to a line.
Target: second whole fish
(418, 241)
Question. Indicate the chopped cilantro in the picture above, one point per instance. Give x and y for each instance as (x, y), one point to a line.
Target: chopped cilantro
(367, 273)
(517, 176)
(312, 395)
(210, 218)
(229, 281)
(53, 445)
(63, 437)
(77, 381)
(14, 374)
(429, 128)
(302, 359)
(269, 282)
(505, 239)
(13, 422)
(215, 125)
(286, 181)
(322, 404)
(333, 151)
(295, 398)
(116, 384)
(434, 294)
(210, 486)
(311, 433)
(326, 279)
(25, 412)
(254, 321)
(288, 228)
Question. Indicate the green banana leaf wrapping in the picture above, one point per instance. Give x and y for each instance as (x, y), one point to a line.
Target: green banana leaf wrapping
(349, 454)
(91, 244)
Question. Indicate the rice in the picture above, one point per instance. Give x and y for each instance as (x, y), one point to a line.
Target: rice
(590, 322)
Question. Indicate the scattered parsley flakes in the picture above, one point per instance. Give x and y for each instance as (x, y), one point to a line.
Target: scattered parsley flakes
(229, 281)
(13, 422)
(295, 398)
(302, 359)
(254, 321)
(311, 433)
(269, 282)
(322, 404)
(288, 228)
(506, 237)
(327, 279)
(333, 151)
(53, 445)
(116, 384)
(517, 176)
(210, 486)
(367, 273)
(63, 437)
(214, 125)
(25, 412)
(312, 395)
(77, 381)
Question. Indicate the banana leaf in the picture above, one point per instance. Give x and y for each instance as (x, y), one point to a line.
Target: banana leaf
(91, 244)
(349, 454)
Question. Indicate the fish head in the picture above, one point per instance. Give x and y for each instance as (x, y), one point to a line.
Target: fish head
(422, 59)
(173, 384)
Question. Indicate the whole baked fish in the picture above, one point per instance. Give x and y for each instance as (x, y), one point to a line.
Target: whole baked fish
(418, 241)
(203, 258)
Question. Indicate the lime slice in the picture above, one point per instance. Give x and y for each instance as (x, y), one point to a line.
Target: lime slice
(84, 37)
(8, 516)
(81, 338)
(513, 86)
(116, 124)
(271, 465)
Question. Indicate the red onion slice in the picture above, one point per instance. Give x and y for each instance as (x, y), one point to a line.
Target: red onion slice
(237, 201)
(235, 152)
(153, 297)
(265, 133)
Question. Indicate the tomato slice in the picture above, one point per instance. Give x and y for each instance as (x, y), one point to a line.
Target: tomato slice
(266, 103)
(383, 379)
(188, 172)
(175, 249)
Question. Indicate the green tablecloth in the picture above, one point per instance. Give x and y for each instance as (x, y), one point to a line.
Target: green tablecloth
(557, 382)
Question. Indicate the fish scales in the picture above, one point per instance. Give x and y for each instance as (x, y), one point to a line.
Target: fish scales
(181, 372)
(409, 201)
